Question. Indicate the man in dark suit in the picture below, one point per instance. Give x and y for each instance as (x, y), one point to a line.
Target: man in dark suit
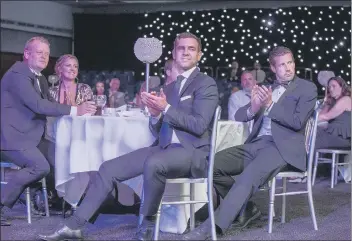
(24, 106)
(280, 114)
(182, 118)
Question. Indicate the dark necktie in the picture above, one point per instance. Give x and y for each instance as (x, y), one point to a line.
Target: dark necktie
(166, 130)
(37, 82)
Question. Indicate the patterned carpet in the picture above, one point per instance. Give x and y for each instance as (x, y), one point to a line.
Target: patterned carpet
(333, 210)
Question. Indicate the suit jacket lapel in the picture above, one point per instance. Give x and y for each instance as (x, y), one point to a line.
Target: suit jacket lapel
(189, 81)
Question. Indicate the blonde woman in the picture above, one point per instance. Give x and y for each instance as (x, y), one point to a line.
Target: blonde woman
(68, 91)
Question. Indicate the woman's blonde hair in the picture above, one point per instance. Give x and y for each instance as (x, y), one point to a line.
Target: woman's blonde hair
(61, 60)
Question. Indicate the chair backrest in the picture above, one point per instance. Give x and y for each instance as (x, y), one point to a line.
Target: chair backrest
(310, 137)
(213, 144)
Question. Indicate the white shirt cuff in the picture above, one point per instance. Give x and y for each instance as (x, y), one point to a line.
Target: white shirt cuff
(155, 120)
(73, 111)
(267, 110)
(167, 107)
(250, 114)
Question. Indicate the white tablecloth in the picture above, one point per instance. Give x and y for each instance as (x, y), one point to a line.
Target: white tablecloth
(84, 143)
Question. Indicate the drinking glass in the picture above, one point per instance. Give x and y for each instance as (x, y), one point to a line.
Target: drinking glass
(100, 101)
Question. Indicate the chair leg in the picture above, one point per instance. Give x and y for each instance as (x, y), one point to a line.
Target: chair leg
(336, 169)
(311, 205)
(2, 174)
(28, 201)
(45, 194)
(63, 208)
(191, 209)
(283, 211)
(333, 166)
(315, 167)
(211, 209)
(271, 204)
(269, 190)
(157, 222)
(140, 218)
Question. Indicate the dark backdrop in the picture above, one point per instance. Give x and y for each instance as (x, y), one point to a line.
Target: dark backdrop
(105, 42)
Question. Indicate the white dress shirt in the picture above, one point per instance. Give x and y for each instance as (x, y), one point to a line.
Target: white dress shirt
(186, 74)
(237, 100)
(265, 129)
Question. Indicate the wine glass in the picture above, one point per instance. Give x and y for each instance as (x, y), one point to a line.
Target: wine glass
(100, 101)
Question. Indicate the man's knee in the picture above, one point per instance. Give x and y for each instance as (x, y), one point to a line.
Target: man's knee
(153, 167)
(42, 169)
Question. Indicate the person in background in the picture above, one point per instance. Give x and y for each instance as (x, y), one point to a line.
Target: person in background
(170, 72)
(66, 92)
(137, 99)
(24, 106)
(116, 98)
(336, 113)
(258, 73)
(242, 97)
(234, 71)
(100, 89)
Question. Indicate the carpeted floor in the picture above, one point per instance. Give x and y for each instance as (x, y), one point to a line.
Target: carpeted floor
(332, 206)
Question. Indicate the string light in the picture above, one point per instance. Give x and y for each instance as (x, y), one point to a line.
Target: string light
(221, 32)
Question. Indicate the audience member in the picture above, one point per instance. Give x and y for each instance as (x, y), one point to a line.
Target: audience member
(336, 113)
(280, 114)
(242, 97)
(258, 73)
(116, 98)
(67, 92)
(24, 106)
(234, 71)
(182, 118)
(99, 89)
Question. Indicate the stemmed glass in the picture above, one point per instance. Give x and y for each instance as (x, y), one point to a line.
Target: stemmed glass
(100, 101)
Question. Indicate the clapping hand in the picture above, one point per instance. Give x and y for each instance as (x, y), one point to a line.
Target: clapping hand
(260, 96)
(155, 104)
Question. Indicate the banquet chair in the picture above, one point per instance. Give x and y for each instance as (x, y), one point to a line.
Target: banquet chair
(6, 164)
(310, 137)
(192, 182)
(334, 161)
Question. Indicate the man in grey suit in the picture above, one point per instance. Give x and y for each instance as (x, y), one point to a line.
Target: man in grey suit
(24, 106)
(280, 114)
(182, 119)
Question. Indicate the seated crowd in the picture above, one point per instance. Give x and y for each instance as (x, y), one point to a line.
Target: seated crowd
(180, 118)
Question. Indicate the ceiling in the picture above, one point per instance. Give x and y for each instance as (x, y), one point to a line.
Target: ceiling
(107, 3)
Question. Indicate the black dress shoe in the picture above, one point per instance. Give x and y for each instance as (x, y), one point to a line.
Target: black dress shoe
(4, 221)
(202, 232)
(146, 230)
(250, 214)
(63, 234)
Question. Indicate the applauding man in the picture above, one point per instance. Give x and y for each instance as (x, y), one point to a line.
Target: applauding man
(280, 113)
(182, 120)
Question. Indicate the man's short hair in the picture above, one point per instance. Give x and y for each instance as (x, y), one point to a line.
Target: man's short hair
(247, 72)
(30, 41)
(188, 35)
(278, 51)
(168, 65)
